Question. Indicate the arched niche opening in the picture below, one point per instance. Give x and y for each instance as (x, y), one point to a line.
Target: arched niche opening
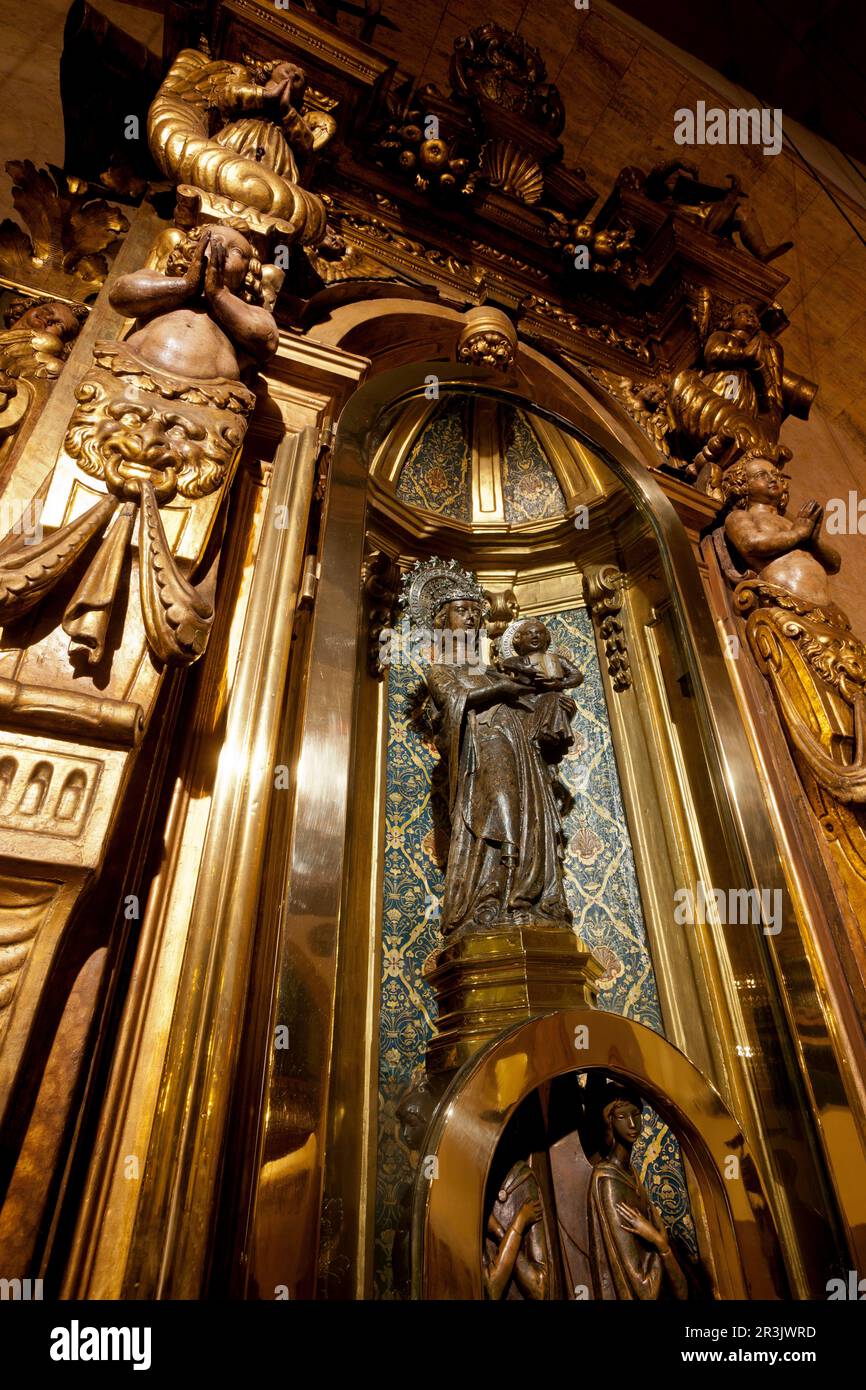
(680, 786)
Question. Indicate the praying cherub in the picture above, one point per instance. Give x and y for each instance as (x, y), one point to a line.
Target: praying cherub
(787, 551)
(525, 655)
(204, 318)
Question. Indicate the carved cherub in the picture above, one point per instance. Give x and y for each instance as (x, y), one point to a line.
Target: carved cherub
(158, 416)
(276, 129)
(203, 319)
(789, 552)
(238, 132)
(35, 343)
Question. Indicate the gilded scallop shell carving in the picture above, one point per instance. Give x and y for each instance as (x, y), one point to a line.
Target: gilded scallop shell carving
(513, 170)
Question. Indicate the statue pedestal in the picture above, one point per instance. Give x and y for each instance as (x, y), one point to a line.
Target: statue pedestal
(487, 981)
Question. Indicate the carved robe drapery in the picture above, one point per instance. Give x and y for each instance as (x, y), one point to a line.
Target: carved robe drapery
(623, 1265)
(500, 795)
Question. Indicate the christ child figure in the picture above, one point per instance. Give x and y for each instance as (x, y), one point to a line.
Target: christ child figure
(525, 655)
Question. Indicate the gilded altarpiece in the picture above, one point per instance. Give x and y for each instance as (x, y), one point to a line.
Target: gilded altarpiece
(247, 506)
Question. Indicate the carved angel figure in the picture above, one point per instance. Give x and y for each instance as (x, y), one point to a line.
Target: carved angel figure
(736, 399)
(240, 132)
(204, 318)
(802, 641)
(732, 401)
(789, 552)
(276, 129)
(630, 1251)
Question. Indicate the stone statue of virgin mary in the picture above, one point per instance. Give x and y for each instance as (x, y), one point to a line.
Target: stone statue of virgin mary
(505, 857)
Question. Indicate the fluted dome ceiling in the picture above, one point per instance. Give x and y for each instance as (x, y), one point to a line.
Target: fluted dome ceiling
(478, 461)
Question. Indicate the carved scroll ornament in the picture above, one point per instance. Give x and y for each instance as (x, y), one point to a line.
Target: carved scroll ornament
(602, 590)
(71, 236)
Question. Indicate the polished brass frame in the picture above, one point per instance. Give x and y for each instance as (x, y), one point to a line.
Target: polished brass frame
(448, 1209)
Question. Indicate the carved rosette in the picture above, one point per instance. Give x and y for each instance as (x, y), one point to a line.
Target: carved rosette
(488, 340)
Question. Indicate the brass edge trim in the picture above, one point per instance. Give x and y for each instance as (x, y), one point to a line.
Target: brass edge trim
(169, 1245)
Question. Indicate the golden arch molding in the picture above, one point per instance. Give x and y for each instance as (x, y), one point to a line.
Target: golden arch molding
(448, 1215)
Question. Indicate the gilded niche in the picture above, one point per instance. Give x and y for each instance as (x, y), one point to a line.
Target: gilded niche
(160, 418)
(566, 1214)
